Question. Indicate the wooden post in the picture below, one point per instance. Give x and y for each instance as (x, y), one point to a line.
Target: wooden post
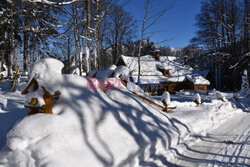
(222, 99)
(197, 103)
(166, 105)
(47, 107)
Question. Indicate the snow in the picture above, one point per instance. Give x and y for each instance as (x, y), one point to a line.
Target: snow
(197, 80)
(46, 66)
(46, 73)
(105, 74)
(113, 127)
(220, 96)
(150, 70)
(75, 71)
(4, 73)
(197, 97)
(166, 97)
(245, 90)
(122, 71)
(245, 72)
(87, 49)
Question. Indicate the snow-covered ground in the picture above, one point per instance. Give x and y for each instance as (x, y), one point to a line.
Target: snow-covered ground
(114, 127)
(11, 110)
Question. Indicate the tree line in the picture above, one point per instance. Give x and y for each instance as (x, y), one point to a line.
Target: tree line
(77, 32)
(223, 26)
(223, 31)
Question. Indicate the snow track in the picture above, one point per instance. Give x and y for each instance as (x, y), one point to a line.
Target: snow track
(228, 145)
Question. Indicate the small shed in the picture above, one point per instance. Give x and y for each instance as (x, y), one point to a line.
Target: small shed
(39, 99)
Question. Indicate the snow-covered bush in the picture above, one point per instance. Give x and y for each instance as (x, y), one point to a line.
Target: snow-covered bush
(166, 97)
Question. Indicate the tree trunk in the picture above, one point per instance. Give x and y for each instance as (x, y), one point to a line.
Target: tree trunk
(8, 55)
(77, 40)
(246, 42)
(26, 39)
(140, 45)
(13, 39)
(68, 64)
(37, 48)
(97, 33)
(88, 36)
(223, 22)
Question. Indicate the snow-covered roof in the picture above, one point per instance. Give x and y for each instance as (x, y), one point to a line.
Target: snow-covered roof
(198, 80)
(103, 74)
(150, 70)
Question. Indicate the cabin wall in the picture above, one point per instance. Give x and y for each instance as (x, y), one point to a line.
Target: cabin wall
(200, 88)
(158, 89)
(191, 86)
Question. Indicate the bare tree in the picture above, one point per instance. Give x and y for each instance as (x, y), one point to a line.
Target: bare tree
(121, 29)
(154, 10)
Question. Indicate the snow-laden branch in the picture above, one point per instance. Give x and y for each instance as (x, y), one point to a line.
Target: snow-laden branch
(57, 26)
(88, 39)
(52, 3)
(241, 58)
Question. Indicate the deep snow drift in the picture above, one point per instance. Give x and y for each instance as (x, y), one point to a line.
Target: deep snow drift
(91, 127)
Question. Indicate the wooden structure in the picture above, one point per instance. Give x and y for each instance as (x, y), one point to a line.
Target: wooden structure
(186, 61)
(197, 87)
(16, 74)
(147, 100)
(166, 107)
(1, 77)
(197, 102)
(165, 73)
(47, 97)
(157, 55)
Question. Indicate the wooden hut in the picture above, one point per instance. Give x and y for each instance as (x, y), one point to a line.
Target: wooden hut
(160, 73)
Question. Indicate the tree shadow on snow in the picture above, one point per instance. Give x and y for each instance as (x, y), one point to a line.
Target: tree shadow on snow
(124, 115)
(195, 155)
(12, 113)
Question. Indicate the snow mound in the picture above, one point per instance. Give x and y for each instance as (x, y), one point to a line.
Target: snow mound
(75, 71)
(220, 96)
(89, 128)
(105, 74)
(166, 97)
(122, 71)
(197, 97)
(45, 66)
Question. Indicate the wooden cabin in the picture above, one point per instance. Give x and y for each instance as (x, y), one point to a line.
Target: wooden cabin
(160, 73)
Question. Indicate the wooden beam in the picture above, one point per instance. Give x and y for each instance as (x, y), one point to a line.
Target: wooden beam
(149, 101)
(35, 86)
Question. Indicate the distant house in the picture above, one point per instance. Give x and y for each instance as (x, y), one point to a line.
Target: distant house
(160, 73)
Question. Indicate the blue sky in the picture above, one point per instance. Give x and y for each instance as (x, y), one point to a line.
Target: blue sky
(176, 27)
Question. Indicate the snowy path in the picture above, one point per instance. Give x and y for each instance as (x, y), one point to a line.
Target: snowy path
(11, 110)
(228, 145)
